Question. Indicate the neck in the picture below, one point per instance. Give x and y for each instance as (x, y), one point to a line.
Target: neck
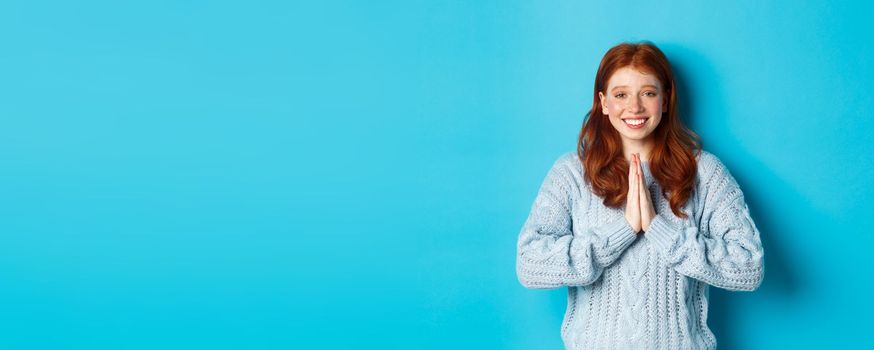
(643, 147)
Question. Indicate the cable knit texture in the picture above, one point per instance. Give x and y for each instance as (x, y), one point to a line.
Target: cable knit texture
(645, 290)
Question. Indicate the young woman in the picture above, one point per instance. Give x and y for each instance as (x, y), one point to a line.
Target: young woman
(639, 221)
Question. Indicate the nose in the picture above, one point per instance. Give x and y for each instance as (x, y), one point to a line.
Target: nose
(634, 104)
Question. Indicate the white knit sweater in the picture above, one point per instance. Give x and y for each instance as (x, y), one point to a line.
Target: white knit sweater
(639, 291)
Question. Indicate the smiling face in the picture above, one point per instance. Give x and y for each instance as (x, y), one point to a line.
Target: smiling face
(634, 102)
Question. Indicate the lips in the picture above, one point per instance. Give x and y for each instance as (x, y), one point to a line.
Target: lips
(639, 122)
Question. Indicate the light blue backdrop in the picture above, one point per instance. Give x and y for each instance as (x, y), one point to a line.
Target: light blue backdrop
(326, 175)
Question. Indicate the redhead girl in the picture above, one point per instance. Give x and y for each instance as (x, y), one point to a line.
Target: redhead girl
(639, 221)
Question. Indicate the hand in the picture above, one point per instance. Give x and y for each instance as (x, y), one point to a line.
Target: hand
(639, 210)
(647, 212)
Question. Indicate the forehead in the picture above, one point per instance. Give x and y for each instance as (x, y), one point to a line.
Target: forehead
(632, 77)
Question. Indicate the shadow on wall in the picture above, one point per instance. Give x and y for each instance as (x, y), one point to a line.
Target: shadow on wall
(694, 73)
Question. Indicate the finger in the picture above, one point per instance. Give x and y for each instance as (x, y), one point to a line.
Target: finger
(635, 185)
(648, 195)
(642, 185)
(635, 199)
(639, 171)
(650, 209)
(639, 179)
(646, 205)
(639, 166)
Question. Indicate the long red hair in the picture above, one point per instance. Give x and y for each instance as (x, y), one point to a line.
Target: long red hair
(672, 160)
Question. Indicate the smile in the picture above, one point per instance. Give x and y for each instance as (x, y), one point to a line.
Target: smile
(635, 123)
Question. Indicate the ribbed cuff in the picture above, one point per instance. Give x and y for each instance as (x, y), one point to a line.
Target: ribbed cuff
(662, 232)
(619, 234)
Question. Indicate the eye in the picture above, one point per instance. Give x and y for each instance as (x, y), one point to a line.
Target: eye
(619, 95)
(650, 93)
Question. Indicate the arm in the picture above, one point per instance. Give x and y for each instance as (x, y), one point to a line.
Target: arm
(548, 253)
(726, 251)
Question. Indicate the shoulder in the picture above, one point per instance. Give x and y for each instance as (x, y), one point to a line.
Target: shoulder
(707, 162)
(709, 166)
(715, 178)
(568, 164)
(566, 172)
(568, 158)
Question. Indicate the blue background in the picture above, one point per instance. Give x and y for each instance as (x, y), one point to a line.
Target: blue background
(327, 175)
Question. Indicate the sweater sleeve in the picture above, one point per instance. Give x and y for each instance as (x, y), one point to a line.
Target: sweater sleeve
(725, 249)
(549, 253)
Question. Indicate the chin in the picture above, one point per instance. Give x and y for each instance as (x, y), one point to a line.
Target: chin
(641, 136)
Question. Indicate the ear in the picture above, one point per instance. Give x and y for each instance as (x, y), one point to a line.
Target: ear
(603, 103)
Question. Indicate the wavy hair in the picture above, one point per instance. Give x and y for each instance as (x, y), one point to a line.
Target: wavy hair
(673, 159)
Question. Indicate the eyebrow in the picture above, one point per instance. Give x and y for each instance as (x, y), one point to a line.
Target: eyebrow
(623, 86)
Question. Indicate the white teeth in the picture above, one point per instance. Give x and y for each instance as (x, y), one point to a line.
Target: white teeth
(635, 121)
